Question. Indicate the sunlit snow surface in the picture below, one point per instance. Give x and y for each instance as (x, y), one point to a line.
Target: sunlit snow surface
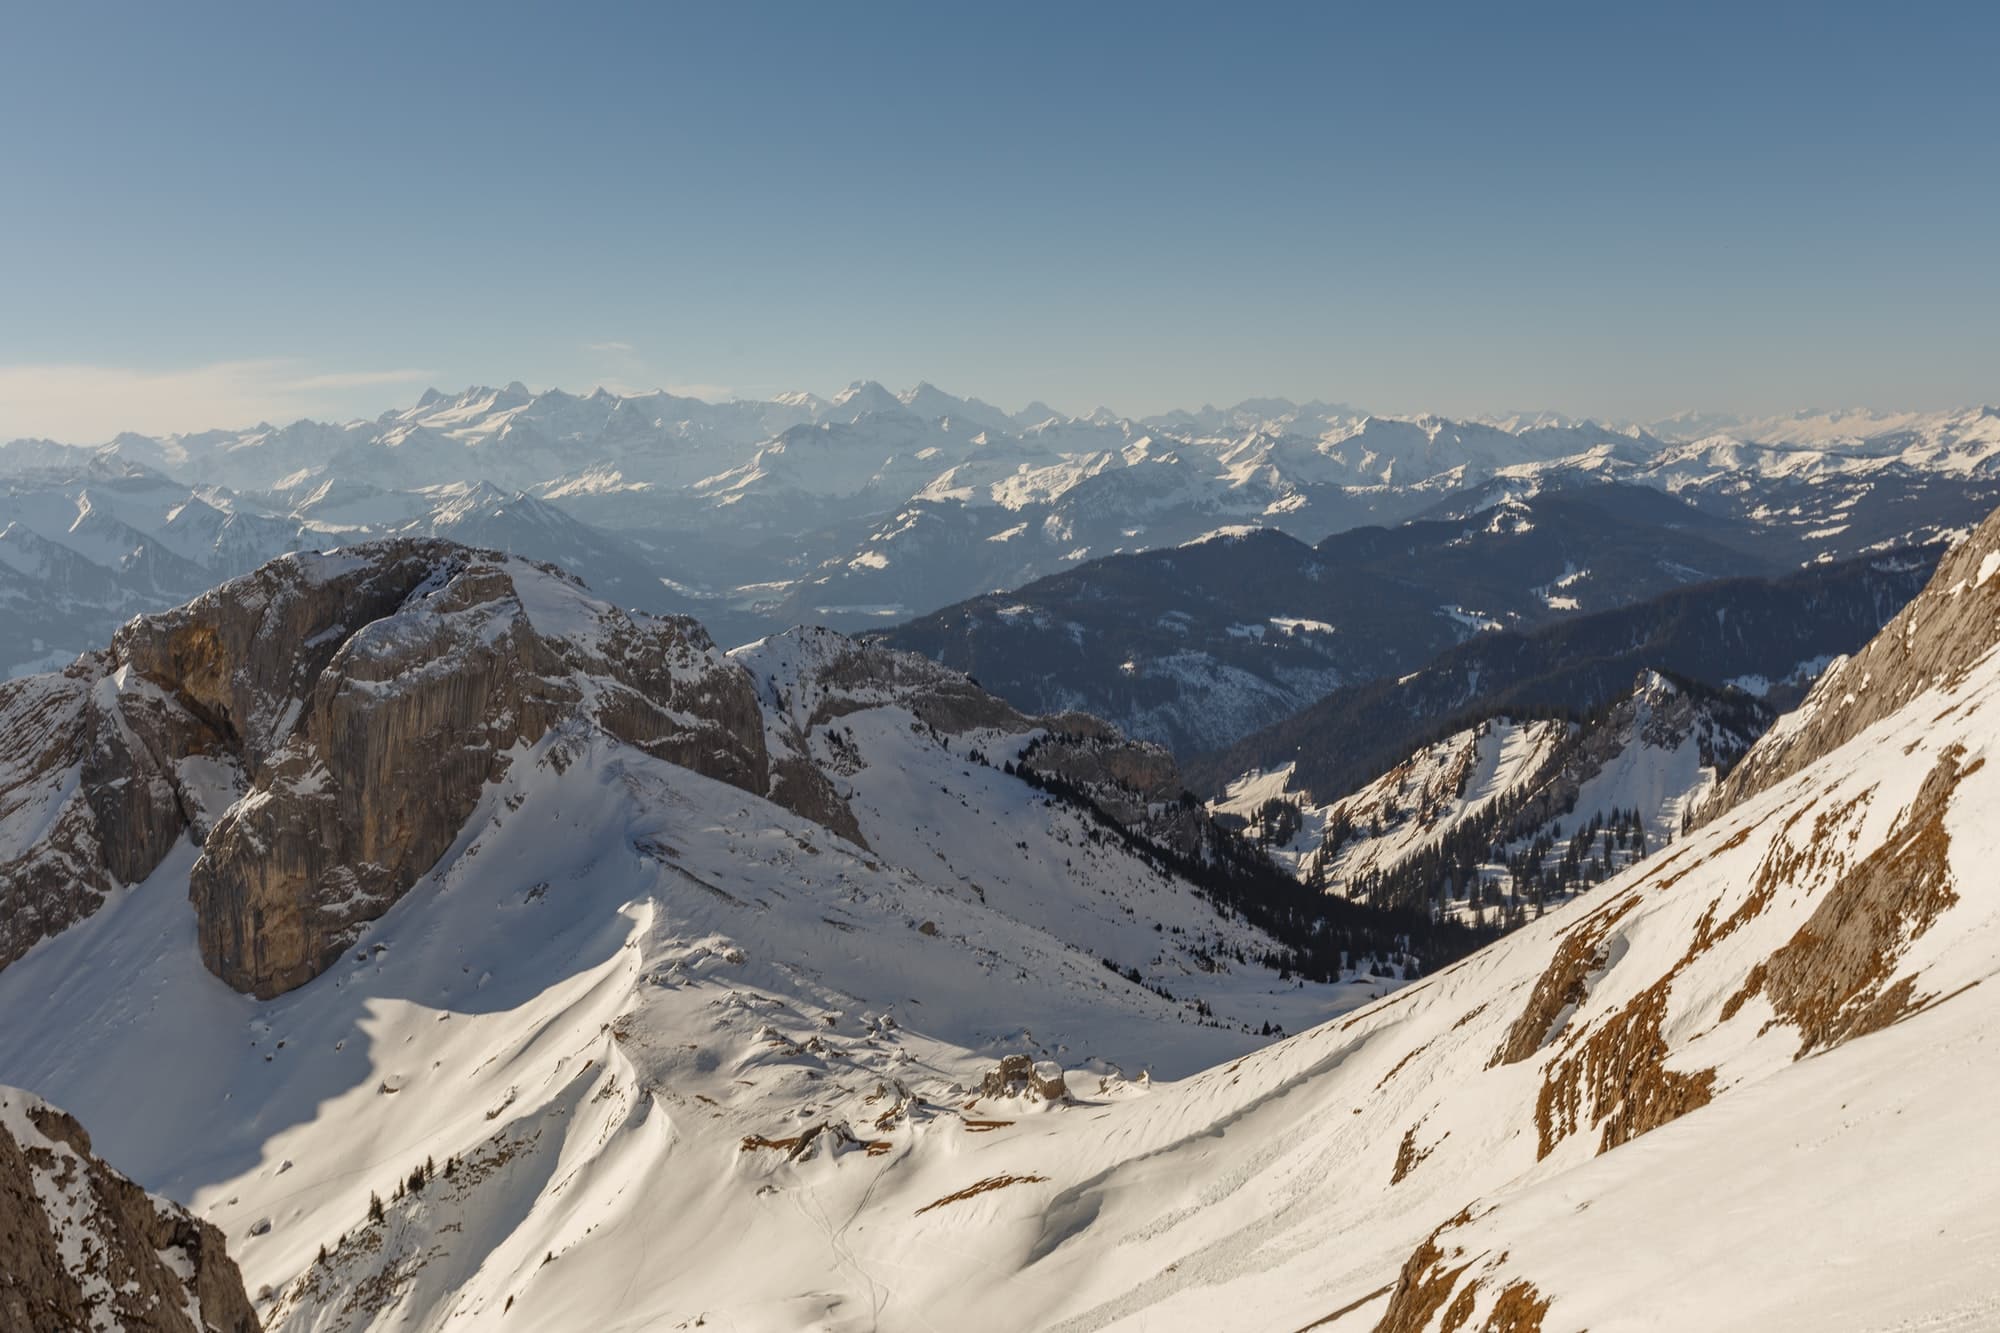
(623, 970)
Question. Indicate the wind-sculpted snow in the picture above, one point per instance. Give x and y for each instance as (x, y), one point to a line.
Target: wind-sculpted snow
(467, 800)
(643, 1049)
(626, 1017)
(1572, 1043)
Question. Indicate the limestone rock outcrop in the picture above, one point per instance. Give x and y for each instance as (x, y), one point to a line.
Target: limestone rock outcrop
(1022, 1075)
(323, 727)
(365, 776)
(100, 774)
(82, 1247)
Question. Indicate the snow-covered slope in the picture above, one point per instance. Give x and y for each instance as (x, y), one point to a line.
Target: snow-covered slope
(917, 761)
(643, 1048)
(1602, 1121)
(615, 984)
(1401, 814)
(1510, 815)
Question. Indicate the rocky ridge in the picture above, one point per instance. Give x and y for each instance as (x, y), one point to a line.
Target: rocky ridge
(323, 727)
(1931, 642)
(810, 678)
(1507, 814)
(1462, 1154)
(82, 1247)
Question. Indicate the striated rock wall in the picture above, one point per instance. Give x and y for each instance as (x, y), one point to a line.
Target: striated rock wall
(364, 698)
(90, 792)
(82, 1247)
(404, 723)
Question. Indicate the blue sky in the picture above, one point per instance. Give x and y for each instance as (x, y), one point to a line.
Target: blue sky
(215, 213)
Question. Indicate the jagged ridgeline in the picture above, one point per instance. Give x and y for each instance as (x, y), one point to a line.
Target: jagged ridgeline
(324, 727)
(83, 1247)
(1494, 822)
(643, 1044)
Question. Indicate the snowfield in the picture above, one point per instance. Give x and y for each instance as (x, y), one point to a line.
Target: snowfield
(645, 1051)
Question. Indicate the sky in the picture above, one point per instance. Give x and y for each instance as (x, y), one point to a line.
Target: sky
(215, 214)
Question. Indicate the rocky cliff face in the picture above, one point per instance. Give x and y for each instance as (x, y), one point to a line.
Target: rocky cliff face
(100, 773)
(357, 702)
(388, 738)
(324, 727)
(82, 1247)
(1932, 642)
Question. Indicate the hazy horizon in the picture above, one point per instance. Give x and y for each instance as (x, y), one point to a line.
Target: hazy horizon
(228, 215)
(390, 404)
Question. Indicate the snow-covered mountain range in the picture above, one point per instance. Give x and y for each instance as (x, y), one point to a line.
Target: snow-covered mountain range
(812, 986)
(872, 507)
(1768, 638)
(1200, 646)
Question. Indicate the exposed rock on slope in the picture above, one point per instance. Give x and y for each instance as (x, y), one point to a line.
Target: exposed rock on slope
(1931, 642)
(1847, 895)
(82, 1247)
(324, 726)
(413, 713)
(99, 775)
(620, 1035)
(631, 1007)
(809, 679)
(364, 698)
